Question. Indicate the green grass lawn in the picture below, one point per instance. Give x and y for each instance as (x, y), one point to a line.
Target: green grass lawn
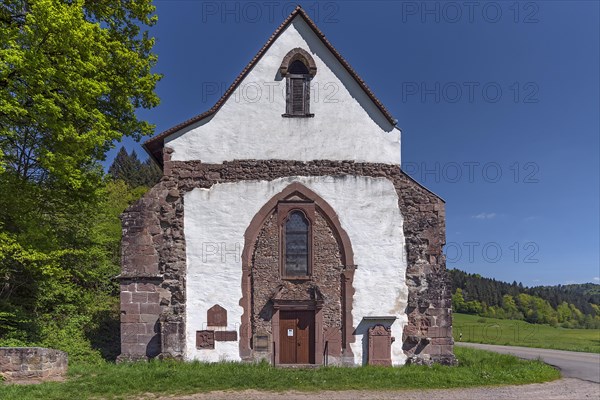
(120, 381)
(520, 333)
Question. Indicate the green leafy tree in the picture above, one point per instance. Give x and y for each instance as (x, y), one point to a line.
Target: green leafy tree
(564, 312)
(67, 298)
(509, 305)
(72, 75)
(576, 314)
(458, 301)
(473, 307)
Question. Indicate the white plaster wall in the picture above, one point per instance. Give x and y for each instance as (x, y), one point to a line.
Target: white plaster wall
(215, 220)
(346, 126)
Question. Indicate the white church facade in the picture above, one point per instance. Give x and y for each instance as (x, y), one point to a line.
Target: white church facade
(284, 229)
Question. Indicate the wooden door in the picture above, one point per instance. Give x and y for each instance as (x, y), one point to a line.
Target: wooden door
(297, 337)
(287, 338)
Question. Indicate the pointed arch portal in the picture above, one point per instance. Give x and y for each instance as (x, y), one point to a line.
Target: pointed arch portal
(286, 203)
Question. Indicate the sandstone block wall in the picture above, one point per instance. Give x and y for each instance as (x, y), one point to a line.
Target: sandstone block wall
(20, 363)
(140, 311)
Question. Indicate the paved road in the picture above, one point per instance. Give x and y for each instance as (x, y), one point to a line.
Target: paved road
(572, 364)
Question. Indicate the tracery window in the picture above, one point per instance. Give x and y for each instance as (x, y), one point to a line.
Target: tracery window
(296, 245)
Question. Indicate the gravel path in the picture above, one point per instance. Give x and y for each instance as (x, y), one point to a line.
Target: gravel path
(558, 390)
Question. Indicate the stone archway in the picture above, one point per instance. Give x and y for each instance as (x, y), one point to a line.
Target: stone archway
(332, 279)
(298, 54)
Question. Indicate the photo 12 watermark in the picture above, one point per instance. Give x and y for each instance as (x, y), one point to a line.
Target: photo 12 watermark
(252, 12)
(520, 172)
(221, 252)
(269, 92)
(477, 252)
(470, 12)
(470, 92)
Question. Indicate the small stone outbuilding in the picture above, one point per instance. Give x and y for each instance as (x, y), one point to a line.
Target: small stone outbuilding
(284, 228)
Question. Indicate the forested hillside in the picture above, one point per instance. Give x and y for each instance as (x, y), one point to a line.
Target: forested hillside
(571, 306)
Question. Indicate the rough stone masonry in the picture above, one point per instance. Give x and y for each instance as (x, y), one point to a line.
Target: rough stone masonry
(154, 258)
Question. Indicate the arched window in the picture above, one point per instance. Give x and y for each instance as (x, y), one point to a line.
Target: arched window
(298, 90)
(296, 245)
(298, 68)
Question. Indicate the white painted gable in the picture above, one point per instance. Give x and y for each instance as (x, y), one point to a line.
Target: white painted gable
(347, 124)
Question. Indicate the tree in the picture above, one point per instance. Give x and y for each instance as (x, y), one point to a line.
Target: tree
(128, 168)
(509, 305)
(72, 74)
(564, 312)
(151, 173)
(458, 301)
(473, 307)
(66, 298)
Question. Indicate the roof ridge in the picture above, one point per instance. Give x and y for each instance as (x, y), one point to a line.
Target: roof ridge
(153, 146)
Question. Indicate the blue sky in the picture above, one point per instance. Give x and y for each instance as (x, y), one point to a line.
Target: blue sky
(498, 103)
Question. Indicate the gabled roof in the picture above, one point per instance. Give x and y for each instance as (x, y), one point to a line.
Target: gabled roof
(155, 145)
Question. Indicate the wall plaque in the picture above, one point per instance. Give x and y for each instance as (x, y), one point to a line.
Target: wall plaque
(216, 316)
(226, 336)
(261, 342)
(205, 340)
(380, 345)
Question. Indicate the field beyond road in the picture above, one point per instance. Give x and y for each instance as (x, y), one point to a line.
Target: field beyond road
(476, 329)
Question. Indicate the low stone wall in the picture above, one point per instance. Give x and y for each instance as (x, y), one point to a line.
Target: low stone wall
(20, 363)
